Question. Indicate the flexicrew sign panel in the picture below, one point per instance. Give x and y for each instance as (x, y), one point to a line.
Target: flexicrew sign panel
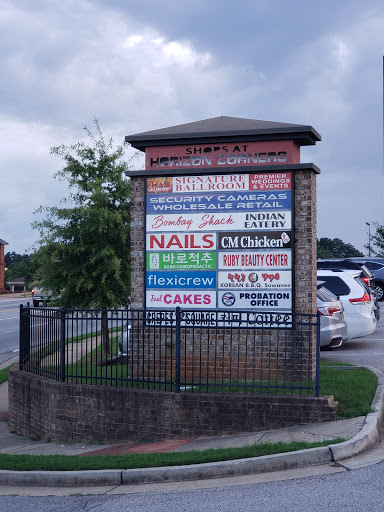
(220, 241)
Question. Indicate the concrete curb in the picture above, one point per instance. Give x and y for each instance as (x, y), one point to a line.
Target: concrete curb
(110, 477)
(229, 468)
(370, 433)
(364, 440)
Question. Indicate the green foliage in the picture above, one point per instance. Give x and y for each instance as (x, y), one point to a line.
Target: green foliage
(336, 248)
(323, 253)
(18, 265)
(377, 240)
(85, 244)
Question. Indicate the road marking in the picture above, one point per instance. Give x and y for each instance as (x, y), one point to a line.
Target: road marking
(355, 354)
(9, 318)
(366, 339)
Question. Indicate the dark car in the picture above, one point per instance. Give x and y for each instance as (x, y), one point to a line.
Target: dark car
(376, 266)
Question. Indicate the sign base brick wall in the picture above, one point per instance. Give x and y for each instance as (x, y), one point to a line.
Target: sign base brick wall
(75, 413)
(304, 255)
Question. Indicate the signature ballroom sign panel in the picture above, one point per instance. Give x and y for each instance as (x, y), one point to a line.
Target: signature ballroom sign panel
(219, 242)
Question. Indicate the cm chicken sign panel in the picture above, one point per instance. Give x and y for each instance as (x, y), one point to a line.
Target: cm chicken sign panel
(219, 242)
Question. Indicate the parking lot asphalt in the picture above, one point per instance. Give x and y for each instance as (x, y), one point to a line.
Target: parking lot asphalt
(362, 433)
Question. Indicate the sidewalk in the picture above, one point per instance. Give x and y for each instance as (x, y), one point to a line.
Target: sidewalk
(362, 433)
(16, 295)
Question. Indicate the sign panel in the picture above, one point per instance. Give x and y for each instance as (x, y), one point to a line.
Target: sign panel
(255, 240)
(223, 155)
(175, 241)
(255, 260)
(193, 203)
(246, 279)
(184, 298)
(218, 221)
(260, 299)
(181, 280)
(220, 318)
(220, 183)
(181, 260)
(220, 242)
(271, 181)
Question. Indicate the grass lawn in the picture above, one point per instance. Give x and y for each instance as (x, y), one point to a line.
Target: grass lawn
(353, 388)
(4, 373)
(147, 460)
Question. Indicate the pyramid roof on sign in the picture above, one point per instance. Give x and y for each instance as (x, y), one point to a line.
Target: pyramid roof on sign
(224, 129)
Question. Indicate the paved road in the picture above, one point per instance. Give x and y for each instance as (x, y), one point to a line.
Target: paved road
(368, 351)
(9, 326)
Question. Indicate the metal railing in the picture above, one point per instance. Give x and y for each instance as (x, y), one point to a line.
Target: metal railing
(179, 351)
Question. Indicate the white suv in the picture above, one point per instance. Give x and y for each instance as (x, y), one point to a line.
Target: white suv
(359, 305)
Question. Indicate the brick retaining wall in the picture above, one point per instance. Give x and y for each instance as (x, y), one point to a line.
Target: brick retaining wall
(75, 413)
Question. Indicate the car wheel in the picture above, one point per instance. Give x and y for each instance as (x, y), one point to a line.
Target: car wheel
(379, 291)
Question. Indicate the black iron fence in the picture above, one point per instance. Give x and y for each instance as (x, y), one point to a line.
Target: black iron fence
(180, 351)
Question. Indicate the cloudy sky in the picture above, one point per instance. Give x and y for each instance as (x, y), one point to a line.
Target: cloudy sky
(139, 65)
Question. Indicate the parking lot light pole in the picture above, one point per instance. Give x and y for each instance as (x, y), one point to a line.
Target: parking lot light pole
(369, 238)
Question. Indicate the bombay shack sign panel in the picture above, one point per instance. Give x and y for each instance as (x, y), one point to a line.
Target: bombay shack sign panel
(219, 242)
(217, 221)
(222, 155)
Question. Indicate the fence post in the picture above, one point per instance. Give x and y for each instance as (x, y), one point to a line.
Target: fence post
(318, 353)
(177, 376)
(24, 336)
(62, 344)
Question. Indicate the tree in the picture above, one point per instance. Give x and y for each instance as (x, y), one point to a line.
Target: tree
(18, 265)
(378, 240)
(336, 248)
(84, 244)
(323, 253)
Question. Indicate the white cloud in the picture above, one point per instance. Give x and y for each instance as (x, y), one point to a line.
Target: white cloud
(342, 52)
(133, 41)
